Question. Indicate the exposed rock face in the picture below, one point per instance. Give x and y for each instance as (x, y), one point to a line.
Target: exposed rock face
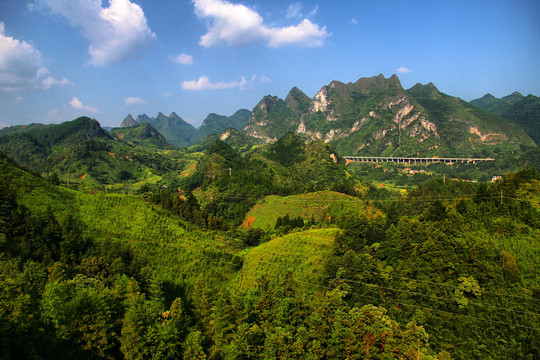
(225, 135)
(489, 137)
(320, 101)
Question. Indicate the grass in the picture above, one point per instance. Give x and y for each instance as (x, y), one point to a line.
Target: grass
(321, 205)
(303, 253)
(175, 250)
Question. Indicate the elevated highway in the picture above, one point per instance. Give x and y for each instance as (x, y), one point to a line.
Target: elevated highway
(414, 160)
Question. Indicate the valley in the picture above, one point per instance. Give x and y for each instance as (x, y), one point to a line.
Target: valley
(305, 228)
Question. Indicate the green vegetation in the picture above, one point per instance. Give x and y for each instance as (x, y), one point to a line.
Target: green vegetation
(497, 106)
(302, 254)
(526, 114)
(321, 206)
(215, 124)
(142, 135)
(82, 155)
(276, 251)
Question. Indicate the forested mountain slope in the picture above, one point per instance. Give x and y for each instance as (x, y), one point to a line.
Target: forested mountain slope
(81, 153)
(449, 271)
(376, 116)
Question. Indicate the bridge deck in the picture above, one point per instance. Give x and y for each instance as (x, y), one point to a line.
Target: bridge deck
(413, 160)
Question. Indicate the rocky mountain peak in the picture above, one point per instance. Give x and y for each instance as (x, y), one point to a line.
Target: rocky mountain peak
(128, 122)
(297, 101)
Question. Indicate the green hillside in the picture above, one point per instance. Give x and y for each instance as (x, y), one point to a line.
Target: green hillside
(228, 184)
(215, 124)
(466, 130)
(321, 206)
(449, 269)
(143, 134)
(80, 153)
(237, 139)
(304, 254)
(526, 113)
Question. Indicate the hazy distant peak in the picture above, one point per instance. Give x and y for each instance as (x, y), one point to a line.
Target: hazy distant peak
(128, 122)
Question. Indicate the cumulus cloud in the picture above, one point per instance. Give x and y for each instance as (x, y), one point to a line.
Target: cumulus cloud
(183, 59)
(77, 104)
(403, 70)
(236, 24)
(204, 83)
(115, 33)
(134, 101)
(22, 65)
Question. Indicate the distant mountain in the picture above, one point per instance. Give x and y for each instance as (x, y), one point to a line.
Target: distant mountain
(497, 106)
(141, 134)
(176, 130)
(215, 124)
(128, 122)
(376, 116)
(526, 113)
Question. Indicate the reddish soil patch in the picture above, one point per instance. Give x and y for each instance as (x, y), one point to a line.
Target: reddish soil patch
(248, 222)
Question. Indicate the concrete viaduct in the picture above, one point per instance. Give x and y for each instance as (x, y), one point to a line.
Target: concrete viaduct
(412, 160)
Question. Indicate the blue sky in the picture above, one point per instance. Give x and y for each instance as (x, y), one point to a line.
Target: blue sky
(60, 59)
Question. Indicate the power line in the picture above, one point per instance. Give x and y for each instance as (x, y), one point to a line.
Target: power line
(419, 294)
(371, 297)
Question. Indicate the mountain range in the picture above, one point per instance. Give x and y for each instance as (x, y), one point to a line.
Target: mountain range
(375, 116)
(180, 133)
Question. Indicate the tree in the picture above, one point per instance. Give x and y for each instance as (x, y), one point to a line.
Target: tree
(86, 312)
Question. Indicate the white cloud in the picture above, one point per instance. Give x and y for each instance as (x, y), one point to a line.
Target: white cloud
(403, 70)
(77, 104)
(165, 94)
(50, 81)
(204, 83)
(21, 66)
(294, 10)
(236, 24)
(265, 79)
(183, 59)
(134, 101)
(262, 79)
(115, 33)
(353, 21)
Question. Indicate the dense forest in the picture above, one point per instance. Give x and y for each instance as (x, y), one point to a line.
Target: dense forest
(278, 253)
